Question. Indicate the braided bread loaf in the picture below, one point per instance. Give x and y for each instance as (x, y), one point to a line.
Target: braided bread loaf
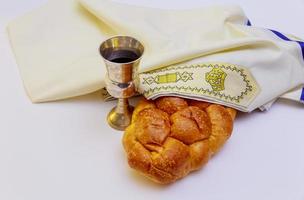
(173, 136)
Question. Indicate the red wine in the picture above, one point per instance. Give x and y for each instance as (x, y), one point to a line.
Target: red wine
(122, 56)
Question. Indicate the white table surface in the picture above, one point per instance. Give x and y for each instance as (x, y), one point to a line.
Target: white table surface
(66, 151)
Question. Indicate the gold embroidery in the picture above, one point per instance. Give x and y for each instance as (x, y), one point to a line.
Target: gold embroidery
(216, 78)
(168, 78)
(222, 82)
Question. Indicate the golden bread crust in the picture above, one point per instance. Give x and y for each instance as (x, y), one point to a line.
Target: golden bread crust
(171, 104)
(172, 136)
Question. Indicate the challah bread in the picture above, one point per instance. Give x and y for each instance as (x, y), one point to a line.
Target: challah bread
(172, 136)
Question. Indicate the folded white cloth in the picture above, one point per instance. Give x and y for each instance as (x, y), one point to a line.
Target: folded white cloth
(209, 53)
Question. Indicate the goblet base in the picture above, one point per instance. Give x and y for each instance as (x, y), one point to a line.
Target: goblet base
(120, 118)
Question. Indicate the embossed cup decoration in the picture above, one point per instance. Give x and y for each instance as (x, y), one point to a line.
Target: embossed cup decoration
(121, 55)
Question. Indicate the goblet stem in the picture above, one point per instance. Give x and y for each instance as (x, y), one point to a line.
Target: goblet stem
(122, 105)
(120, 117)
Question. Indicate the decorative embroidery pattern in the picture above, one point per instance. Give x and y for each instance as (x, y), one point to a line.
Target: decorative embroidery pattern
(169, 78)
(224, 82)
(216, 78)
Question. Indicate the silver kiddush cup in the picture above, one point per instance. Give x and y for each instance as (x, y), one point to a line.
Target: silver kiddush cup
(121, 55)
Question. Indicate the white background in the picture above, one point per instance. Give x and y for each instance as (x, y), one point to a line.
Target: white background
(66, 151)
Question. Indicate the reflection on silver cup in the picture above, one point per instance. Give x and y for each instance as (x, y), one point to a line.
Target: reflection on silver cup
(121, 55)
